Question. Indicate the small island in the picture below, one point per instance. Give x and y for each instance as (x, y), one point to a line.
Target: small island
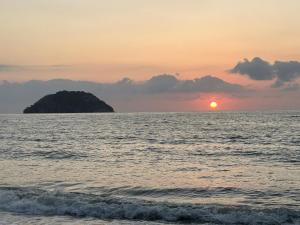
(69, 102)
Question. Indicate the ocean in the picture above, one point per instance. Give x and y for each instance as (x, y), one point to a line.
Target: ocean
(150, 168)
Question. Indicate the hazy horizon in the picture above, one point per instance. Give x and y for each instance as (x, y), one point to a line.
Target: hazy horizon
(161, 93)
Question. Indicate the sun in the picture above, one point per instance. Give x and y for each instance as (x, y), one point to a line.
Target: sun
(213, 105)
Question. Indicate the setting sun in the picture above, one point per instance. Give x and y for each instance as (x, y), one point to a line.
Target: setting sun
(213, 105)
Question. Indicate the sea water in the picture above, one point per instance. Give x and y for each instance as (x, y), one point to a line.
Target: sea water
(150, 168)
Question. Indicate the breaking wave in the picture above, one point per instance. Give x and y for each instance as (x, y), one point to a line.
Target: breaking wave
(33, 201)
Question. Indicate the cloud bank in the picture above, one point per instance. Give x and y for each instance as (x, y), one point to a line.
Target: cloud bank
(285, 73)
(162, 89)
(169, 83)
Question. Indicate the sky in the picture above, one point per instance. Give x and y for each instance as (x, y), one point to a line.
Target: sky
(253, 43)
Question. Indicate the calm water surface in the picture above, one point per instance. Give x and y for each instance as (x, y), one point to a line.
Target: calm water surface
(150, 168)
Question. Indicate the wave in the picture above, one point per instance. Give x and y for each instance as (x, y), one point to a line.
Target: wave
(33, 201)
(192, 192)
(47, 153)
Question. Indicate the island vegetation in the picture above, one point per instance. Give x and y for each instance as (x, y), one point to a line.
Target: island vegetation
(69, 102)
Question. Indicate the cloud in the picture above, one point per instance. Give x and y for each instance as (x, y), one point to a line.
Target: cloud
(258, 69)
(287, 71)
(213, 84)
(161, 83)
(9, 68)
(169, 83)
(26, 68)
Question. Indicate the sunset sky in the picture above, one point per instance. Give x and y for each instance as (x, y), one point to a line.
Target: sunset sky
(105, 41)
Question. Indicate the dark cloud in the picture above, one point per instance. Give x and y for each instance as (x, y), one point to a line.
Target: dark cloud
(15, 96)
(287, 71)
(257, 69)
(169, 83)
(282, 71)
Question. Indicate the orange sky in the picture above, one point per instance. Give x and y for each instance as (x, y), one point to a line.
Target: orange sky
(107, 40)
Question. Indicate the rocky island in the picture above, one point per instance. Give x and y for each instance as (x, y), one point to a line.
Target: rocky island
(69, 102)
